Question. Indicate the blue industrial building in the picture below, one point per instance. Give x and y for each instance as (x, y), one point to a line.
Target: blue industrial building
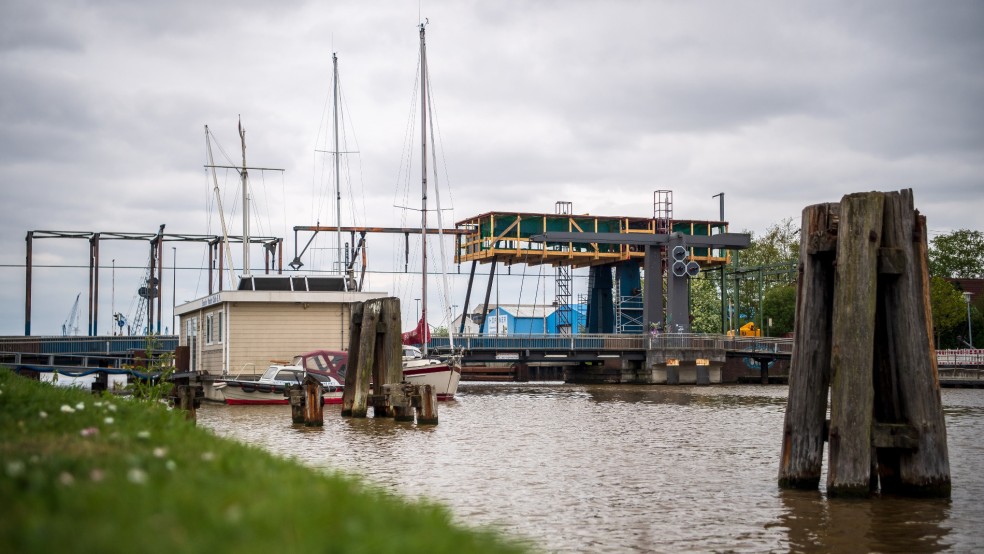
(528, 319)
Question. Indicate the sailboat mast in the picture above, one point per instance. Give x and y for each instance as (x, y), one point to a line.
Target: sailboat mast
(423, 186)
(242, 140)
(338, 184)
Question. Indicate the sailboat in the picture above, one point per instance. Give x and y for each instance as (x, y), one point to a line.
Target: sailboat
(419, 367)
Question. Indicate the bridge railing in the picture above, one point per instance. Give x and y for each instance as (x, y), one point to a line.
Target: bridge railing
(614, 342)
(963, 357)
(541, 342)
(759, 344)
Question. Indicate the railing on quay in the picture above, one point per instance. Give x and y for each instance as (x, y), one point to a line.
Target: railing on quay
(107, 345)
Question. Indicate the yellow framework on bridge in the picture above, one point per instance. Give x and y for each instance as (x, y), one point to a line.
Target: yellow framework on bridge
(505, 237)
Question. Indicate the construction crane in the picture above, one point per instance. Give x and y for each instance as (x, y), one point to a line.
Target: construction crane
(71, 325)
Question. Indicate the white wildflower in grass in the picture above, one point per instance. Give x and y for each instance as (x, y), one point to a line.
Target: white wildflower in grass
(67, 409)
(97, 475)
(15, 468)
(234, 513)
(160, 452)
(137, 476)
(143, 435)
(43, 414)
(89, 431)
(207, 456)
(80, 406)
(108, 420)
(98, 403)
(66, 479)
(170, 465)
(111, 407)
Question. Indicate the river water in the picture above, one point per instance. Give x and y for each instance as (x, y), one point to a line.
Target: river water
(615, 468)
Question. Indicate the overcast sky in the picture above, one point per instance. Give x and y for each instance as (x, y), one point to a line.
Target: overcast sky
(777, 104)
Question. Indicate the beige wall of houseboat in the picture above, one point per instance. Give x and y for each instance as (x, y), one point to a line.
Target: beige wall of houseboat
(259, 328)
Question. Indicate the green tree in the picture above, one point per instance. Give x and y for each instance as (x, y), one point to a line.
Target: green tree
(768, 263)
(959, 254)
(705, 306)
(780, 243)
(949, 313)
(779, 305)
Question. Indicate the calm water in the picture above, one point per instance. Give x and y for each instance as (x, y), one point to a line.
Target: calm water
(616, 468)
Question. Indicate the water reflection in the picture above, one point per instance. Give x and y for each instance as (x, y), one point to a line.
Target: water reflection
(615, 468)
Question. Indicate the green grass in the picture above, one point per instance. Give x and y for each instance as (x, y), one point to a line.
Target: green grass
(85, 473)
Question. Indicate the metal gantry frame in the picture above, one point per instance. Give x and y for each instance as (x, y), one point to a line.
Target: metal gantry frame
(273, 247)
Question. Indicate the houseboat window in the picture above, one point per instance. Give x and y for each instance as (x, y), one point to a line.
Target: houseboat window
(213, 328)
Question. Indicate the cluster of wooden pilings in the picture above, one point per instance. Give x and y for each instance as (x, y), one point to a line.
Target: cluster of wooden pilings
(864, 331)
(375, 367)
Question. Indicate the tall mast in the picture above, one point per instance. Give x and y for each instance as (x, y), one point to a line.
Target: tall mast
(423, 185)
(242, 140)
(338, 184)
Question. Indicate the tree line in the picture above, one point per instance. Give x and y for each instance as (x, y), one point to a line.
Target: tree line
(760, 286)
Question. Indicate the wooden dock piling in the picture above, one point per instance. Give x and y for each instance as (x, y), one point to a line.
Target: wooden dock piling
(806, 410)
(296, 398)
(314, 415)
(864, 326)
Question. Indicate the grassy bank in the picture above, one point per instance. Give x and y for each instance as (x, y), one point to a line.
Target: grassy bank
(84, 473)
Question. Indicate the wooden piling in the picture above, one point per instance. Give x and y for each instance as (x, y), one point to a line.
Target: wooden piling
(809, 378)
(399, 400)
(314, 415)
(362, 368)
(427, 412)
(388, 358)
(867, 327)
(187, 401)
(909, 395)
(296, 398)
(852, 346)
(351, 375)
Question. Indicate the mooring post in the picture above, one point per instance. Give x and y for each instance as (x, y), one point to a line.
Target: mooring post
(907, 381)
(187, 401)
(296, 398)
(314, 415)
(388, 357)
(853, 341)
(809, 377)
(367, 356)
(354, 359)
(427, 412)
(400, 401)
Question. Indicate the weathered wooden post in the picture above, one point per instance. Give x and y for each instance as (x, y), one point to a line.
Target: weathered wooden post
(809, 378)
(186, 393)
(388, 358)
(357, 388)
(351, 376)
(918, 463)
(853, 342)
(314, 415)
(427, 411)
(866, 327)
(296, 398)
(400, 401)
